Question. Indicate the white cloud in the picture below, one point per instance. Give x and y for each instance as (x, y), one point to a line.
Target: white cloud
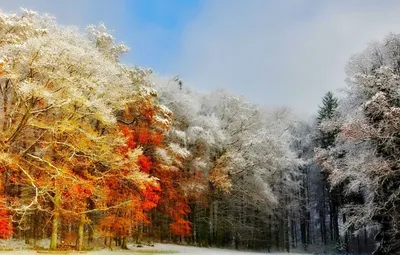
(281, 53)
(277, 53)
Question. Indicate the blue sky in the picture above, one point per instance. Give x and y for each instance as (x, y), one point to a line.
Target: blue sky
(275, 53)
(164, 22)
(152, 28)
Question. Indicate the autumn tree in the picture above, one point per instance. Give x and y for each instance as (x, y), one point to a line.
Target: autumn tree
(59, 128)
(92, 147)
(231, 148)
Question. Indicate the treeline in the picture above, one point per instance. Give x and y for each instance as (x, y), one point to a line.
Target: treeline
(94, 152)
(352, 181)
(361, 165)
(93, 149)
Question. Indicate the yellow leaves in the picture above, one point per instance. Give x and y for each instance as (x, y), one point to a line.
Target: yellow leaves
(220, 179)
(2, 71)
(5, 159)
(133, 155)
(219, 175)
(3, 61)
(68, 145)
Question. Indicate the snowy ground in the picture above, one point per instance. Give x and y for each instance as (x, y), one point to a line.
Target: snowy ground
(158, 249)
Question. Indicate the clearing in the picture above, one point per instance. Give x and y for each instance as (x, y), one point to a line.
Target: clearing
(159, 249)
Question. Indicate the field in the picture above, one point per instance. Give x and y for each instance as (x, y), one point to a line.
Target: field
(160, 249)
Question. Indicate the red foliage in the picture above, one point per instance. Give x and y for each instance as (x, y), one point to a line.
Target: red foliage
(175, 203)
(145, 163)
(168, 196)
(77, 192)
(115, 226)
(5, 224)
(145, 136)
(151, 197)
(130, 142)
(181, 227)
(148, 111)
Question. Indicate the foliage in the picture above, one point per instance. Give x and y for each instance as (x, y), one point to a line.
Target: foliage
(365, 158)
(90, 147)
(328, 108)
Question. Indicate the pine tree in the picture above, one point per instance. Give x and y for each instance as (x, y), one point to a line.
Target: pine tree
(328, 108)
(330, 199)
(326, 112)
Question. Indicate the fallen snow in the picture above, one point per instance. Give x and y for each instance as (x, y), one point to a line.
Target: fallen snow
(164, 249)
(190, 250)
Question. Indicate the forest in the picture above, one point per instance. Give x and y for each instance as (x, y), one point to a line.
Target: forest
(96, 153)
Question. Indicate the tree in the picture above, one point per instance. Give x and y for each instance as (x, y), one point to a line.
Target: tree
(6, 229)
(238, 153)
(364, 162)
(60, 92)
(327, 113)
(90, 147)
(328, 108)
(329, 202)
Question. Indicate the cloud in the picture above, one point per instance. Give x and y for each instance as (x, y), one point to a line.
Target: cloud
(286, 53)
(276, 53)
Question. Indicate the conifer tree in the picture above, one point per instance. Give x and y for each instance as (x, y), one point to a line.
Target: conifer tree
(325, 139)
(328, 108)
(327, 112)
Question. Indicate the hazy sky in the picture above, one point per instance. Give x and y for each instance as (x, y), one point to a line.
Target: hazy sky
(276, 53)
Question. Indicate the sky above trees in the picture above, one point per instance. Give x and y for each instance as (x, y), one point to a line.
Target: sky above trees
(286, 53)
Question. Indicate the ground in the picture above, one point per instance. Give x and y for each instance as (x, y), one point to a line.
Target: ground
(159, 249)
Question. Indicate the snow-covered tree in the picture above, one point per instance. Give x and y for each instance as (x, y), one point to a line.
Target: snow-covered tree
(239, 155)
(60, 92)
(365, 159)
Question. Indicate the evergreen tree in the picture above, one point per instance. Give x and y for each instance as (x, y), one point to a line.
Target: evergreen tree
(329, 203)
(328, 108)
(327, 112)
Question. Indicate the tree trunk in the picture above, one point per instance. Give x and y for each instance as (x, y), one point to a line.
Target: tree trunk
(124, 244)
(56, 219)
(140, 234)
(331, 231)
(304, 213)
(81, 229)
(215, 223)
(286, 225)
(308, 229)
(286, 232)
(269, 233)
(54, 230)
(335, 221)
(292, 233)
(346, 236)
(211, 227)
(322, 214)
(110, 244)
